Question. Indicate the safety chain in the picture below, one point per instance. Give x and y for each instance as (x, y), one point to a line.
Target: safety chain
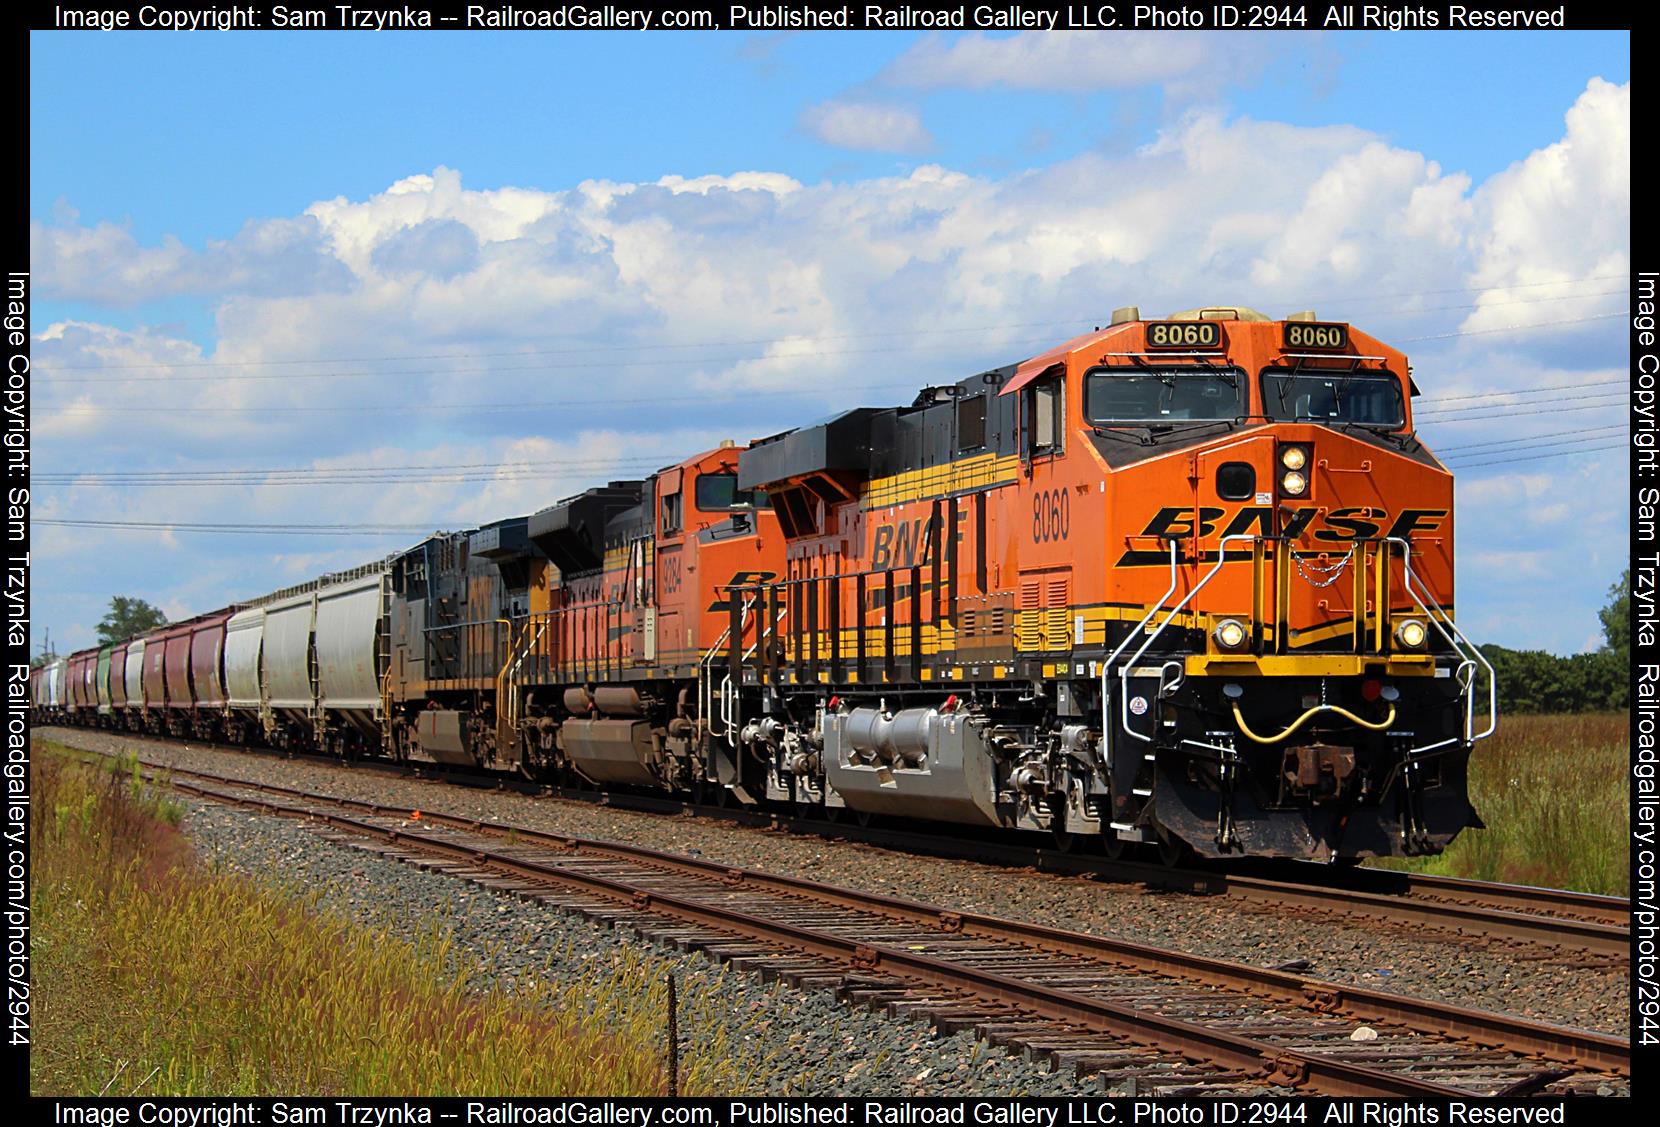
(1321, 576)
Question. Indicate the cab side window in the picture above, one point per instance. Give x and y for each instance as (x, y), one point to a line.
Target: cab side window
(1046, 409)
(672, 512)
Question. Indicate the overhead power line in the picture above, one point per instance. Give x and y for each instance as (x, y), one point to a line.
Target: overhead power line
(711, 396)
(1462, 467)
(349, 473)
(1514, 328)
(249, 529)
(1530, 438)
(1544, 390)
(478, 477)
(1550, 410)
(231, 529)
(1479, 458)
(546, 369)
(1461, 289)
(1429, 408)
(453, 473)
(1443, 412)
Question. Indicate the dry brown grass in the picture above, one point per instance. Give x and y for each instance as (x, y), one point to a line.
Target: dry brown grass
(154, 976)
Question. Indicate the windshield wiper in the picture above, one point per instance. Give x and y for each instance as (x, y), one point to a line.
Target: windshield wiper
(1150, 433)
(1168, 429)
(1382, 430)
(1134, 440)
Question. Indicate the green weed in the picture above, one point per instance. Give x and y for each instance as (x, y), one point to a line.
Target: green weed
(1553, 793)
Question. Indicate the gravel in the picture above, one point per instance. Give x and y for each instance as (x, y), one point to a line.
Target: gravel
(793, 1042)
(1488, 975)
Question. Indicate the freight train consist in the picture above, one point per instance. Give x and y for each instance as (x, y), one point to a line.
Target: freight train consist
(1185, 582)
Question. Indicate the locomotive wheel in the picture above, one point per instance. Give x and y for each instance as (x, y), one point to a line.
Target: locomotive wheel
(1065, 840)
(1112, 845)
(863, 818)
(1173, 852)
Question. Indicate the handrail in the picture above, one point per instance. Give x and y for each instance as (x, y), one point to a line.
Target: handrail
(507, 713)
(1124, 673)
(1469, 655)
(706, 687)
(769, 632)
(1449, 630)
(1106, 666)
(728, 712)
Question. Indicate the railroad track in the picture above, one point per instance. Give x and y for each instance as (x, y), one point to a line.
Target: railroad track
(1574, 928)
(1141, 1016)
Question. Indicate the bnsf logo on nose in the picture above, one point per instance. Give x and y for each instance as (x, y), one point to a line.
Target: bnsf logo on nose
(1337, 526)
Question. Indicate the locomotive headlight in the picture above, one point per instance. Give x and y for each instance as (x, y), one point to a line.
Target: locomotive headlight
(1230, 634)
(1411, 633)
(1293, 484)
(1293, 457)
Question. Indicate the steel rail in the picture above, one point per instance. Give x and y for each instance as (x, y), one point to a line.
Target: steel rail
(1565, 919)
(1582, 1048)
(1465, 918)
(1276, 1063)
(1613, 910)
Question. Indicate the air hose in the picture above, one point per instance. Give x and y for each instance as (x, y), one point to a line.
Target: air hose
(1377, 726)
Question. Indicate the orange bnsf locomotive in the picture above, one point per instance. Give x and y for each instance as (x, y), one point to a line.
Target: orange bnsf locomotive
(1184, 582)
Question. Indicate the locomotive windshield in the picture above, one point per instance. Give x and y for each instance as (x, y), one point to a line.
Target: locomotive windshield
(1368, 398)
(1173, 395)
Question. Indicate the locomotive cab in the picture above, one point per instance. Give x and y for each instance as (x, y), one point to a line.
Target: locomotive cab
(1295, 684)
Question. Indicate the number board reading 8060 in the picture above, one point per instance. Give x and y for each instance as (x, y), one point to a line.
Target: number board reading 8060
(1184, 334)
(1315, 334)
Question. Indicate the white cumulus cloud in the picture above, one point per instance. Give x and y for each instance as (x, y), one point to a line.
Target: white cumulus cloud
(1561, 214)
(1184, 62)
(868, 126)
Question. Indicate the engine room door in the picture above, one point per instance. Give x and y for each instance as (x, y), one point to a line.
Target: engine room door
(668, 635)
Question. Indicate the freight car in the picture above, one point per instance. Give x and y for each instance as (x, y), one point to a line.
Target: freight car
(1183, 582)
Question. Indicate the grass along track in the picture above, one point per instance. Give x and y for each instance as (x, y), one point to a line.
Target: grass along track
(1582, 928)
(1052, 987)
(155, 975)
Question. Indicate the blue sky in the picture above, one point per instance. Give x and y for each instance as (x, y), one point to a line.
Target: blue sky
(266, 123)
(554, 219)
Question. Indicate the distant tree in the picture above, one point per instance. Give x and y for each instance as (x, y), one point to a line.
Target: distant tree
(127, 617)
(42, 659)
(1616, 618)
